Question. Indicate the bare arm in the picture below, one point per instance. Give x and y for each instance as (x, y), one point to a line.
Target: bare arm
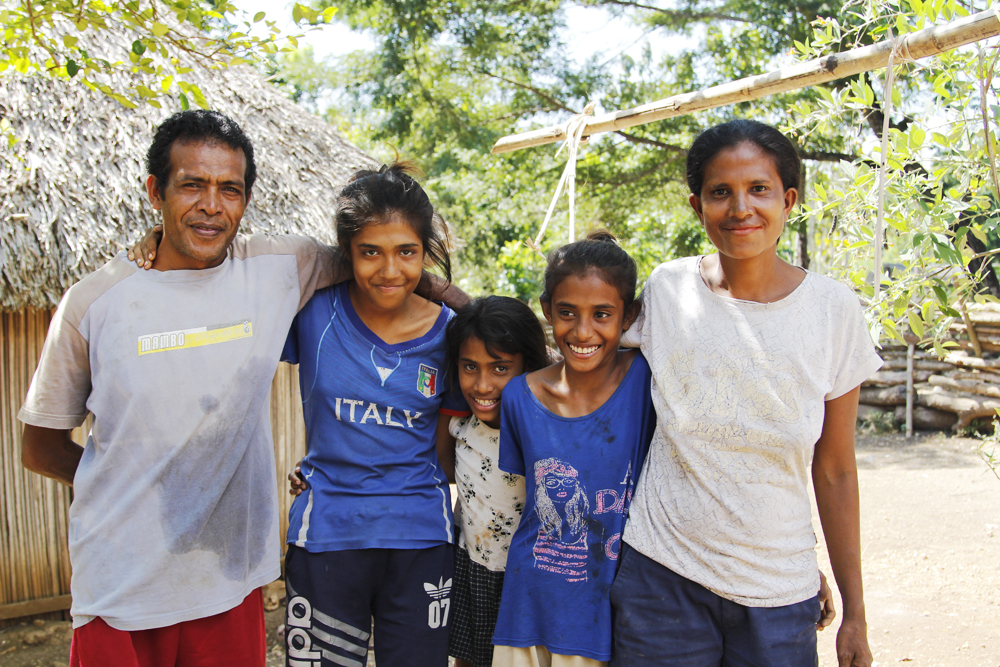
(446, 447)
(431, 286)
(835, 478)
(50, 452)
(436, 288)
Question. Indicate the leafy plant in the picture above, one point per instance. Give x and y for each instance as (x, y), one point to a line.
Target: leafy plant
(43, 37)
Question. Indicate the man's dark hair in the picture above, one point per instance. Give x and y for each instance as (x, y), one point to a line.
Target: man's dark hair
(197, 125)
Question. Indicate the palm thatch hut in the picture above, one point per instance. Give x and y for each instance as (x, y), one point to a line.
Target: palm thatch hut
(71, 196)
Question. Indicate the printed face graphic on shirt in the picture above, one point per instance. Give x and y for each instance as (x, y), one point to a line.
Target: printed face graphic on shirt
(563, 511)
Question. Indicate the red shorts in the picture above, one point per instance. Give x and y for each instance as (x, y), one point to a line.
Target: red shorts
(234, 638)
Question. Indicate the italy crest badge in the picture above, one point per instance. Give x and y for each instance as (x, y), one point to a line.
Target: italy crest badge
(427, 381)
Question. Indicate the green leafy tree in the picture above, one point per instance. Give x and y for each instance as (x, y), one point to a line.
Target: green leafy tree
(47, 38)
(942, 189)
(446, 79)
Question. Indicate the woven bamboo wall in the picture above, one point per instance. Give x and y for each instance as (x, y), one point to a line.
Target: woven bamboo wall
(289, 432)
(34, 559)
(34, 562)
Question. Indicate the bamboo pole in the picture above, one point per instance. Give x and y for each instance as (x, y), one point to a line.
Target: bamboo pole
(6, 489)
(909, 390)
(915, 45)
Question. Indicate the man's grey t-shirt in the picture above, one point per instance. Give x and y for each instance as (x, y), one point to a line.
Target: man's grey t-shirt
(175, 513)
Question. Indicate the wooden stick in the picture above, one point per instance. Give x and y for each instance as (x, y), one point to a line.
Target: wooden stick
(915, 45)
(973, 337)
(31, 607)
(909, 390)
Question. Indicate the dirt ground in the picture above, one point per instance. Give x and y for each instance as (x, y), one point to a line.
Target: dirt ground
(930, 532)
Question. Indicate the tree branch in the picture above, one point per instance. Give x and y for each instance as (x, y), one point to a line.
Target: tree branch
(649, 142)
(691, 16)
(637, 176)
(537, 91)
(827, 156)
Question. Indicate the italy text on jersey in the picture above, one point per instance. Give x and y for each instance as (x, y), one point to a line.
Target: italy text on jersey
(346, 409)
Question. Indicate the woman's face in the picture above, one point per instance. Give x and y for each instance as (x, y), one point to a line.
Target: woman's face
(387, 259)
(559, 487)
(743, 204)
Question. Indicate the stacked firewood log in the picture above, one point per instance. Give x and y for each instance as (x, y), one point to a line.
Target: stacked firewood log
(948, 393)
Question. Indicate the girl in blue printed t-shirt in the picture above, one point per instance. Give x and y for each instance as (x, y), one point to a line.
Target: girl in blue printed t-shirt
(371, 534)
(578, 431)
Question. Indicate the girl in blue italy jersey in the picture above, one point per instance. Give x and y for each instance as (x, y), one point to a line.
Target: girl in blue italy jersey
(490, 342)
(578, 431)
(372, 533)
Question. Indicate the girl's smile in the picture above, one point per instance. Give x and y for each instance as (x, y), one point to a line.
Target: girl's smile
(482, 377)
(587, 316)
(387, 259)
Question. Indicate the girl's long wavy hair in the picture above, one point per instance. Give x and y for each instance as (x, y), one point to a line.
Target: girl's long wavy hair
(375, 197)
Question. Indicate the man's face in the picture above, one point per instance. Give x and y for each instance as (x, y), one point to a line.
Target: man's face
(202, 204)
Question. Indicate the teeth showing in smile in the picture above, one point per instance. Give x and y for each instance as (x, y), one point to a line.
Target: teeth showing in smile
(485, 403)
(583, 350)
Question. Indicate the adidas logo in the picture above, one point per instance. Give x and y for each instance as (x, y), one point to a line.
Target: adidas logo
(442, 590)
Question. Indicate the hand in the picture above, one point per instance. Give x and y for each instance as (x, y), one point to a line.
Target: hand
(852, 644)
(144, 252)
(553, 356)
(296, 481)
(828, 611)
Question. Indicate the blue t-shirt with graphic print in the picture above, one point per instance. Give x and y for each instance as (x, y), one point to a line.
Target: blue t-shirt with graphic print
(579, 473)
(371, 412)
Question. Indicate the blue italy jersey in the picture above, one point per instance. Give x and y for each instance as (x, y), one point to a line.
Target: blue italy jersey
(579, 473)
(371, 412)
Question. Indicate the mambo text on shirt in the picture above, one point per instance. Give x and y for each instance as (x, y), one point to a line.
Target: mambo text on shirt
(197, 337)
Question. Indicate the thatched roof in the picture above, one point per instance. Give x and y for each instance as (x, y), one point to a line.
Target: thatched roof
(77, 198)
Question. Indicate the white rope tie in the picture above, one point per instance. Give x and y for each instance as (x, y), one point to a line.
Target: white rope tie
(890, 77)
(575, 128)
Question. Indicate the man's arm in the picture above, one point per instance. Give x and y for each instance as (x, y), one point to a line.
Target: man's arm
(432, 287)
(437, 288)
(50, 452)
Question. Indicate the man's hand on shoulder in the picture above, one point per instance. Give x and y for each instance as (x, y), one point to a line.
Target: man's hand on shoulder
(144, 251)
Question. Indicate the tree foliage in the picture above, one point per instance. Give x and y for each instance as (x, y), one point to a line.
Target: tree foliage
(446, 79)
(942, 191)
(47, 38)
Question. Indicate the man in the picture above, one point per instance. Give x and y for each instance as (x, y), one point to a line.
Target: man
(173, 526)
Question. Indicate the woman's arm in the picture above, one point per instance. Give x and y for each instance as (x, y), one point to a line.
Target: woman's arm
(835, 478)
